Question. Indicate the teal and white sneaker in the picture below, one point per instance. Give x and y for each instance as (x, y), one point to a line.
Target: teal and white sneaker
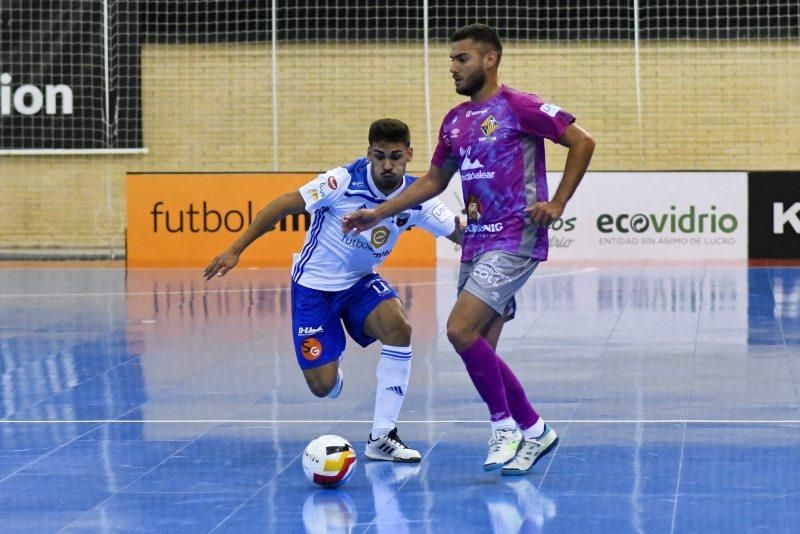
(530, 451)
(502, 447)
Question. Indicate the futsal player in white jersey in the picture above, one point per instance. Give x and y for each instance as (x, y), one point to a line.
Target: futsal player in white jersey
(334, 280)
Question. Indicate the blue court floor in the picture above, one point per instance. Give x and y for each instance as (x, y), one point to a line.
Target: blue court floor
(150, 401)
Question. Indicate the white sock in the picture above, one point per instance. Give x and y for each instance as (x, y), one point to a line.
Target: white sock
(504, 424)
(534, 431)
(393, 371)
(338, 387)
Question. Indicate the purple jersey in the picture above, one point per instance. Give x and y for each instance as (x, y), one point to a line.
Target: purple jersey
(498, 147)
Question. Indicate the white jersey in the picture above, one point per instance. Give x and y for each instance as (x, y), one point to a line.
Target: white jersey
(332, 261)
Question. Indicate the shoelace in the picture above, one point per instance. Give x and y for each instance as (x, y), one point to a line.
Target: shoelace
(395, 440)
(498, 439)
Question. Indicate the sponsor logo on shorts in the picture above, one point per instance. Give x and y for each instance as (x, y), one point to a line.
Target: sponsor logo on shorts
(332, 183)
(308, 331)
(311, 349)
(488, 274)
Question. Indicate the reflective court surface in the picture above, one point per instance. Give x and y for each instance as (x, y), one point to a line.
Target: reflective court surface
(152, 401)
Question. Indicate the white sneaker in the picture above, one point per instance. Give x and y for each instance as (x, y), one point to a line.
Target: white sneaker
(502, 447)
(391, 448)
(531, 451)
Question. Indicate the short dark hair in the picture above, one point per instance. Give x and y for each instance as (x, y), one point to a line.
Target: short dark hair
(482, 34)
(389, 131)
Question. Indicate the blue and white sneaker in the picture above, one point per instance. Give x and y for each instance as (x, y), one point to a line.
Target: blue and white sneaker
(502, 447)
(530, 451)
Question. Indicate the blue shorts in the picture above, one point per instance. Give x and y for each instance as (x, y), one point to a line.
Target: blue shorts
(317, 318)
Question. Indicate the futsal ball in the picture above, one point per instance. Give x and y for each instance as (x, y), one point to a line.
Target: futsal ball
(329, 461)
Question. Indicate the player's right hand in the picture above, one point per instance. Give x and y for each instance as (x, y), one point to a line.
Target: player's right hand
(221, 265)
(359, 220)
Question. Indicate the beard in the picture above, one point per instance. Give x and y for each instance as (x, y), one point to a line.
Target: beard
(473, 84)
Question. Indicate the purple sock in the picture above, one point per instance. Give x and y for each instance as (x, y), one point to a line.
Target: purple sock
(518, 402)
(481, 362)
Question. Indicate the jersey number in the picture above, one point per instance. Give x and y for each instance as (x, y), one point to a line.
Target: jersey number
(380, 287)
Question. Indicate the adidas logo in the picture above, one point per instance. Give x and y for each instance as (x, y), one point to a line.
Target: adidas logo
(396, 389)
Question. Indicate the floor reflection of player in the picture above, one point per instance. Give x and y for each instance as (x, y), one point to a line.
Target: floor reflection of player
(518, 508)
(385, 479)
(329, 511)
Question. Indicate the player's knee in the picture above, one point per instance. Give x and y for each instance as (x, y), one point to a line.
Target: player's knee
(320, 388)
(399, 335)
(460, 337)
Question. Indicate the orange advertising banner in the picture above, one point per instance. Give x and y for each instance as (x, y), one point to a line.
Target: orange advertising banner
(185, 219)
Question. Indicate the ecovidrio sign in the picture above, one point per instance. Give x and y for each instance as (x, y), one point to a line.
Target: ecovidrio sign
(653, 215)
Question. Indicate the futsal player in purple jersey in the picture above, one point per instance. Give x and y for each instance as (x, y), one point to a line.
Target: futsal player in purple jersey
(496, 141)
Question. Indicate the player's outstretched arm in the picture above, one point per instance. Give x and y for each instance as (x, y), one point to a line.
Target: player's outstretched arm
(288, 204)
(427, 187)
(581, 146)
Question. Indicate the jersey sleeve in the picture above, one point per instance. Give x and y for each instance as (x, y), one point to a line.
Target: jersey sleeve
(443, 155)
(323, 190)
(540, 118)
(435, 217)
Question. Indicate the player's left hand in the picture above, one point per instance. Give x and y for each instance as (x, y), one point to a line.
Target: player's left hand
(359, 221)
(544, 213)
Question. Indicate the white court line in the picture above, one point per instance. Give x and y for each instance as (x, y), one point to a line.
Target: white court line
(421, 422)
(199, 292)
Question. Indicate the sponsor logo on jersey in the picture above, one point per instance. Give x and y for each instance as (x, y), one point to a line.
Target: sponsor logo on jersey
(489, 125)
(332, 183)
(308, 331)
(484, 228)
(478, 112)
(476, 175)
(440, 212)
(312, 193)
(379, 236)
(454, 132)
(311, 349)
(474, 209)
(550, 109)
(468, 164)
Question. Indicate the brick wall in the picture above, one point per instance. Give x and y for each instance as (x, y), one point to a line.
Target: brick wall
(705, 105)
